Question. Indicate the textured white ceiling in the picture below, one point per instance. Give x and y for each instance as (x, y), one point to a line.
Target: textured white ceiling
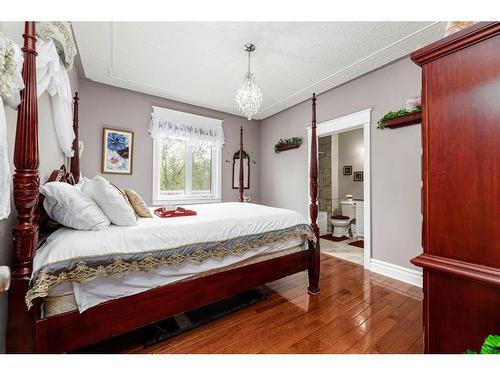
(203, 63)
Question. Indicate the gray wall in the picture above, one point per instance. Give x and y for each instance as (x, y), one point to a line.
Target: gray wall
(350, 153)
(102, 105)
(51, 157)
(395, 158)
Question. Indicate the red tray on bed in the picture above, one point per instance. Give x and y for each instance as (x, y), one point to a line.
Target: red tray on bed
(179, 211)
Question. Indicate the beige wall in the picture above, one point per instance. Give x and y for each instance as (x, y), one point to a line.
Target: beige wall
(51, 157)
(102, 105)
(395, 158)
(350, 153)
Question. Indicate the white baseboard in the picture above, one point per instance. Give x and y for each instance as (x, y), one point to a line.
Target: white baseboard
(404, 274)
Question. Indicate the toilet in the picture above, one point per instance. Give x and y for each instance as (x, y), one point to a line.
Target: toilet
(342, 223)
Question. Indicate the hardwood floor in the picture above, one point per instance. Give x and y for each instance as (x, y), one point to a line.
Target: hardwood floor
(356, 312)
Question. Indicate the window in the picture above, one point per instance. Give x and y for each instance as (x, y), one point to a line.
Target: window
(185, 172)
(187, 157)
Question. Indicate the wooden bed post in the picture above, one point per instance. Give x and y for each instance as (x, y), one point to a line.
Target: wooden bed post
(75, 160)
(241, 184)
(313, 207)
(21, 322)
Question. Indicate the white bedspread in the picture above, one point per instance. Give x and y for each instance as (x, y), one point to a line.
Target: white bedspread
(214, 222)
(104, 289)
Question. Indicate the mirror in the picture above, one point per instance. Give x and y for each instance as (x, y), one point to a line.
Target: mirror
(236, 170)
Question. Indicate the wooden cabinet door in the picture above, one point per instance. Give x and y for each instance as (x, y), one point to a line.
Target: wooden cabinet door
(461, 189)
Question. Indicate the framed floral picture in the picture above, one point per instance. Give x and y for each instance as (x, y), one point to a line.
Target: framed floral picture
(117, 151)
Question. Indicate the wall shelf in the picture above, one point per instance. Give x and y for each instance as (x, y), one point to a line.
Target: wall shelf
(409, 119)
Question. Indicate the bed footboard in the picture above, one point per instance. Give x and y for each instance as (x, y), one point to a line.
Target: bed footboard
(72, 330)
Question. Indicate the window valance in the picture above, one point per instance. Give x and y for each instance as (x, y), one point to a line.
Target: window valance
(167, 123)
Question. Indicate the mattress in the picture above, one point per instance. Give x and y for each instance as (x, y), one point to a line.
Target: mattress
(112, 263)
(63, 300)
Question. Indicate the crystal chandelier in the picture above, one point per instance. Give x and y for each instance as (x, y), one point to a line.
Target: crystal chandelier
(249, 95)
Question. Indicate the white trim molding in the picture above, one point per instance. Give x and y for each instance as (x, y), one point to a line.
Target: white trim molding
(356, 120)
(185, 201)
(407, 275)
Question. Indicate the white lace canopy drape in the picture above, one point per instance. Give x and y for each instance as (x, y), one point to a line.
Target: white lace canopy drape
(167, 123)
(11, 82)
(52, 77)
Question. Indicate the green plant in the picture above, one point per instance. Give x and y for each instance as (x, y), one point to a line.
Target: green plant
(288, 141)
(490, 346)
(400, 113)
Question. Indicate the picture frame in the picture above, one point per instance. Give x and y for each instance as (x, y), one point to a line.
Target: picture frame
(117, 151)
(347, 170)
(358, 176)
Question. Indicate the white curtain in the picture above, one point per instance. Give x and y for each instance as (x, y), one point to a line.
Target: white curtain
(167, 123)
(53, 78)
(5, 175)
(11, 82)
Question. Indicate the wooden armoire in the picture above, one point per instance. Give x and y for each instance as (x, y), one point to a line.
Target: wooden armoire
(461, 188)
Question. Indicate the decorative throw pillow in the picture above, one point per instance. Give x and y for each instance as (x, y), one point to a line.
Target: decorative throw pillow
(71, 207)
(140, 207)
(111, 201)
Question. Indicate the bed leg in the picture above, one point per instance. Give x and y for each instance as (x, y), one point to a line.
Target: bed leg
(20, 336)
(313, 270)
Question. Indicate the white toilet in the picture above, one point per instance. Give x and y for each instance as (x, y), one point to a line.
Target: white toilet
(342, 223)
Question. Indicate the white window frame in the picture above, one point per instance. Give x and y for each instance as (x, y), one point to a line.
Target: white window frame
(215, 197)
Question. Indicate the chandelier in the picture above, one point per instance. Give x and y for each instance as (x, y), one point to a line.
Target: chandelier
(249, 95)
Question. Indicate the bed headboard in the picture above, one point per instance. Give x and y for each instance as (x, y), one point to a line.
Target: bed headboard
(45, 224)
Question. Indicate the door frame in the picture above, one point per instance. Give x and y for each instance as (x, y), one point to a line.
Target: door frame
(356, 120)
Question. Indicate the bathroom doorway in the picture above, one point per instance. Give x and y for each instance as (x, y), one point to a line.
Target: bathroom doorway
(344, 187)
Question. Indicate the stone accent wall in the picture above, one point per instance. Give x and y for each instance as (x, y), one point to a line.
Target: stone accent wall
(325, 176)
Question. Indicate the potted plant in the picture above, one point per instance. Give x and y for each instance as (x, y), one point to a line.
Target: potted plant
(287, 144)
(490, 346)
(410, 114)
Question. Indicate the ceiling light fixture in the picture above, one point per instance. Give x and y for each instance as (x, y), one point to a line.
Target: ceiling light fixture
(249, 95)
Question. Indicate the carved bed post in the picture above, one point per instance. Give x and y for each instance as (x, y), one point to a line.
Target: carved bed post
(20, 324)
(313, 207)
(75, 160)
(241, 184)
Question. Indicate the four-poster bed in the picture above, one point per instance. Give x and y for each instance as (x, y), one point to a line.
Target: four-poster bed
(29, 331)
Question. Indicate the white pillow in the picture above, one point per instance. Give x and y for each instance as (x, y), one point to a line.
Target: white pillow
(72, 208)
(81, 182)
(111, 201)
